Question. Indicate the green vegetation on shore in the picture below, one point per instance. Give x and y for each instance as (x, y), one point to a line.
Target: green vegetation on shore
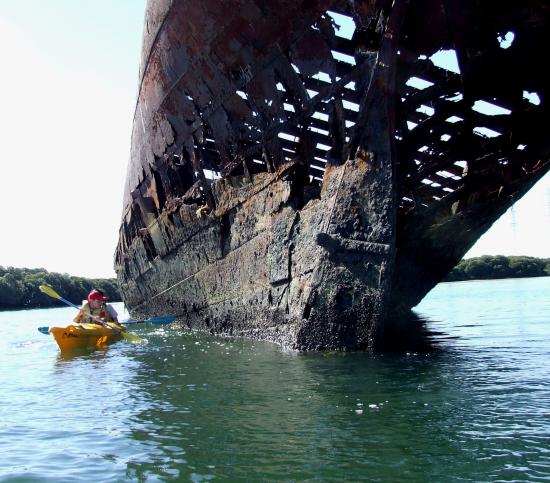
(490, 267)
(19, 288)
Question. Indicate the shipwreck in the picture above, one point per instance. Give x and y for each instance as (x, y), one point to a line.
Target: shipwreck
(302, 170)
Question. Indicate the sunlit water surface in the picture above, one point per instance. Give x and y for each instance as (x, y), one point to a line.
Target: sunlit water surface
(472, 405)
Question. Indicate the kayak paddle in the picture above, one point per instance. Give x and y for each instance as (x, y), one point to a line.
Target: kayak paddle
(161, 320)
(52, 293)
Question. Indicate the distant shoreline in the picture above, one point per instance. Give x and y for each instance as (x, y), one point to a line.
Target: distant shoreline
(490, 279)
(495, 267)
(19, 288)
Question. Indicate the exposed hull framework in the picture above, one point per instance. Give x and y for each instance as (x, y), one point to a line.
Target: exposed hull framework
(300, 169)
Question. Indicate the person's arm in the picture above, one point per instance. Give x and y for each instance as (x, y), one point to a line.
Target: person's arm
(79, 316)
(113, 313)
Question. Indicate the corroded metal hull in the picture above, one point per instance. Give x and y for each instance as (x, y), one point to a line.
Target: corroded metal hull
(300, 170)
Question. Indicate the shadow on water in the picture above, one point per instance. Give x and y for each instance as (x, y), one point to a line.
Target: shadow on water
(408, 332)
(212, 407)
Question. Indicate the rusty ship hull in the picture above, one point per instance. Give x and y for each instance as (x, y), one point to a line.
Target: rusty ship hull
(302, 170)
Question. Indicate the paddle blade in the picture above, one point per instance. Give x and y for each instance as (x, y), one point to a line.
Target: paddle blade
(161, 320)
(134, 339)
(49, 291)
(44, 330)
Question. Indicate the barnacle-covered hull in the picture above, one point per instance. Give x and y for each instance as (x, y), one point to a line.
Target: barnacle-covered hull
(300, 170)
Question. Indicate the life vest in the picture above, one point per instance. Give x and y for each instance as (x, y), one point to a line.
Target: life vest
(101, 312)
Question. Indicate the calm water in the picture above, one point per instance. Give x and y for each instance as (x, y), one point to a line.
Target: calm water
(473, 406)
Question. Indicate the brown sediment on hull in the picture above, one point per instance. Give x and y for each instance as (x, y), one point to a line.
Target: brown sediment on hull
(299, 170)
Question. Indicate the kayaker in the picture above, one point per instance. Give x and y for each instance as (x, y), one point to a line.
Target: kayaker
(96, 305)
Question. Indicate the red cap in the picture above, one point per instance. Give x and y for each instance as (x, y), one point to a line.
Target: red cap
(96, 295)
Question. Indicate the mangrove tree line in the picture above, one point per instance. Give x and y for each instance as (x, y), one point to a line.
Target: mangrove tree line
(498, 266)
(19, 288)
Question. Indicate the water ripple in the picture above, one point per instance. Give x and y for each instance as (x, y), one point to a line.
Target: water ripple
(463, 394)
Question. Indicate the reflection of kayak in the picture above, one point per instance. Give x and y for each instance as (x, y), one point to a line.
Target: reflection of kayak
(81, 336)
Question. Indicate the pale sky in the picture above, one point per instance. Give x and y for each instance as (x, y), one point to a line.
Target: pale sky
(68, 83)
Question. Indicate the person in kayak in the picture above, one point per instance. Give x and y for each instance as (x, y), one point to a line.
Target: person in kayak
(96, 306)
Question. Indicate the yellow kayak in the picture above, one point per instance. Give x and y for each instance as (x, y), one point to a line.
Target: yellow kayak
(82, 336)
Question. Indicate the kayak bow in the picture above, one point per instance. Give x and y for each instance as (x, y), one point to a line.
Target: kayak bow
(83, 336)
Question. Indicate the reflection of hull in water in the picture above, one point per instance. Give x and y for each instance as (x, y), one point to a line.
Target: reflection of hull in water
(301, 169)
